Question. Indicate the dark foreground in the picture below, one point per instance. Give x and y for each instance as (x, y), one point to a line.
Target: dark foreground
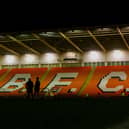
(20, 113)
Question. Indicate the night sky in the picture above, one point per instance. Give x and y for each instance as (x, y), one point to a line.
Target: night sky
(30, 16)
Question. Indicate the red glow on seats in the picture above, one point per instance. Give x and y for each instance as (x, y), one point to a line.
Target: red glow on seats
(35, 72)
(71, 85)
(99, 73)
(76, 82)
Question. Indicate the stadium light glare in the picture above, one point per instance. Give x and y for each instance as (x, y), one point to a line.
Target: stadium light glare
(10, 59)
(94, 55)
(29, 58)
(49, 58)
(118, 54)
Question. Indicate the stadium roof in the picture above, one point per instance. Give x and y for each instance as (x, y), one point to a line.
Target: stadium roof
(41, 30)
(78, 39)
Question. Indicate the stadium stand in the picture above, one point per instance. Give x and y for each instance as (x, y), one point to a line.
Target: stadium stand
(14, 81)
(62, 81)
(106, 80)
(72, 80)
(68, 81)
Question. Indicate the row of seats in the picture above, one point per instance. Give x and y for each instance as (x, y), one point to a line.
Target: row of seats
(101, 74)
(74, 87)
(9, 74)
(102, 81)
(77, 77)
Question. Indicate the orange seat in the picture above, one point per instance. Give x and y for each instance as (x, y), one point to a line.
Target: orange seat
(100, 72)
(76, 83)
(34, 72)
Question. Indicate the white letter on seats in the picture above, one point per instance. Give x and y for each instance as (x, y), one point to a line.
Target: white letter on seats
(121, 75)
(59, 76)
(13, 82)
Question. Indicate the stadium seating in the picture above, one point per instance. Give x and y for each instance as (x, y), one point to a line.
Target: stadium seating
(101, 75)
(2, 71)
(68, 81)
(80, 74)
(20, 75)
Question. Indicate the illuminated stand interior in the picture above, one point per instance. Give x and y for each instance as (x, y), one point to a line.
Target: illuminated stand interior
(84, 81)
(68, 82)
